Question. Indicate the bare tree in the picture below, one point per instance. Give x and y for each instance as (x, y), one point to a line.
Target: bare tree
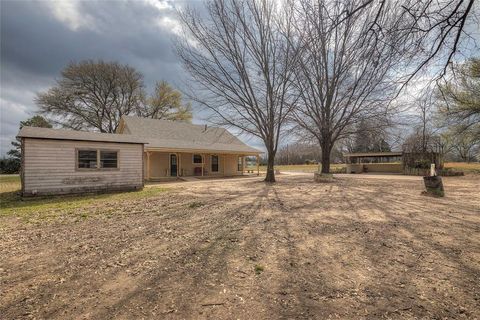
(431, 31)
(344, 73)
(96, 94)
(466, 144)
(93, 94)
(240, 56)
(458, 98)
(424, 108)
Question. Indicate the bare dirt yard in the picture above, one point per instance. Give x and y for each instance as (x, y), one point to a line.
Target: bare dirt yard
(358, 248)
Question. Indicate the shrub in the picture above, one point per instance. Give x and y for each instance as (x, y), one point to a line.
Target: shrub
(9, 165)
(422, 164)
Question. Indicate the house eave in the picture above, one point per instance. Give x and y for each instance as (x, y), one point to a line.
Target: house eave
(186, 150)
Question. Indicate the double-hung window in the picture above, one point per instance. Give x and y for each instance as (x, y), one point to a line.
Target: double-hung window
(108, 159)
(97, 159)
(87, 159)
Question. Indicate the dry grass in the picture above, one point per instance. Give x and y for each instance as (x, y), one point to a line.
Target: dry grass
(473, 167)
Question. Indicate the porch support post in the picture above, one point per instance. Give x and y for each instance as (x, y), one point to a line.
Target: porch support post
(223, 166)
(148, 165)
(258, 165)
(178, 165)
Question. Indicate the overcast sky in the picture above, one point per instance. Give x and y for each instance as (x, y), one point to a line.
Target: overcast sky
(39, 38)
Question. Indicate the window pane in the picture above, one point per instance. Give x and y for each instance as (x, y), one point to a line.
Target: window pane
(214, 163)
(240, 166)
(108, 159)
(87, 158)
(197, 158)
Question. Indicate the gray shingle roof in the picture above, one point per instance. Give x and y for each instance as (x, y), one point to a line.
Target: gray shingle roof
(179, 135)
(62, 134)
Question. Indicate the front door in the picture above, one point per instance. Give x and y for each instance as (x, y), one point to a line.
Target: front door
(173, 165)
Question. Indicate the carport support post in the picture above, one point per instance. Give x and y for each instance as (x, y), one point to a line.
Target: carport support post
(258, 165)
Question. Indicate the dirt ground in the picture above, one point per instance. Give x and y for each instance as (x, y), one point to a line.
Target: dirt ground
(358, 248)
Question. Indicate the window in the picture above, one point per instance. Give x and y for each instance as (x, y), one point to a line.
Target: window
(240, 164)
(97, 159)
(87, 159)
(197, 158)
(214, 163)
(108, 159)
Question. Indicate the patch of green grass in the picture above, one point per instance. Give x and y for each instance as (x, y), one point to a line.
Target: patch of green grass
(11, 203)
(259, 269)
(195, 204)
(9, 178)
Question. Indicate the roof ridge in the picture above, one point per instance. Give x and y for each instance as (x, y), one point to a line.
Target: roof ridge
(174, 122)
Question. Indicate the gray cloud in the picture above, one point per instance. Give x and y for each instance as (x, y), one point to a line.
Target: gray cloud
(39, 38)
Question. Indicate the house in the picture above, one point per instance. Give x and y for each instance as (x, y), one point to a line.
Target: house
(58, 161)
(177, 149)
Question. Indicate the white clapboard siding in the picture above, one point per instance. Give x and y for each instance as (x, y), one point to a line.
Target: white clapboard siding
(49, 167)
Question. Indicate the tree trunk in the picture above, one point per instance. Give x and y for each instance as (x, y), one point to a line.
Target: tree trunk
(270, 169)
(326, 150)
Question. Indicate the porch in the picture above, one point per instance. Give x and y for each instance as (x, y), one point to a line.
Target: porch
(170, 165)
